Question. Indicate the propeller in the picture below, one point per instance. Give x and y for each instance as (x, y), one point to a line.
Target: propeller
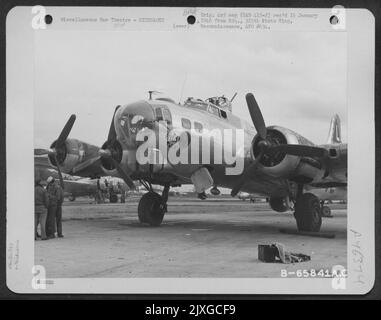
(60, 144)
(59, 172)
(110, 140)
(266, 147)
(299, 150)
(65, 131)
(112, 133)
(246, 173)
(256, 116)
(57, 146)
(106, 154)
(42, 152)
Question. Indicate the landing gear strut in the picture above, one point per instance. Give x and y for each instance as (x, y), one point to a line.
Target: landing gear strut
(308, 212)
(152, 207)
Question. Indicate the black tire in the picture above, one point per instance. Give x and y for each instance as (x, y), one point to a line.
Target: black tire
(326, 211)
(142, 208)
(113, 198)
(71, 198)
(151, 209)
(279, 204)
(308, 213)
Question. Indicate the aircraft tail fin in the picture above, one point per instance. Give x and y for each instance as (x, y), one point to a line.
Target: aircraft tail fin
(334, 135)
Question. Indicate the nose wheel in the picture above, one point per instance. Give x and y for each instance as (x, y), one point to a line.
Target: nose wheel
(152, 207)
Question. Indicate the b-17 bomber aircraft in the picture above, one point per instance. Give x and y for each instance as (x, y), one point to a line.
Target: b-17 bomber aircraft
(276, 162)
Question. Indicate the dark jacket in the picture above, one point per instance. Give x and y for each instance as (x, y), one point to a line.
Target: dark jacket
(40, 199)
(55, 193)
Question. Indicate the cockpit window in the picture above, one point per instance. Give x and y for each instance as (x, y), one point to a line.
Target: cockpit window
(167, 116)
(186, 123)
(136, 119)
(198, 126)
(138, 122)
(159, 114)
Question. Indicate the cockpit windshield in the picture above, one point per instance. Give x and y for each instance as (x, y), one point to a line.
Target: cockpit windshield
(136, 122)
(135, 117)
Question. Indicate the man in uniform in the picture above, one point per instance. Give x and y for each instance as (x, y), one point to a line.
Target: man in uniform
(60, 198)
(54, 222)
(40, 208)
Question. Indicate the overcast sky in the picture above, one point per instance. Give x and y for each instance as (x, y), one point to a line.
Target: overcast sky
(299, 79)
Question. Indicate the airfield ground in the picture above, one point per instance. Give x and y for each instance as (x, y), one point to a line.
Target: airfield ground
(212, 238)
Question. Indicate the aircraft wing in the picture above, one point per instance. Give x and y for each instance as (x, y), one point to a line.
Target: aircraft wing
(284, 154)
(335, 165)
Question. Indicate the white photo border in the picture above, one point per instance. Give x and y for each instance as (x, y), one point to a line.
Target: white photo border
(360, 29)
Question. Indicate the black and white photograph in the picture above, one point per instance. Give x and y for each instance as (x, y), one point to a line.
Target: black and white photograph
(202, 150)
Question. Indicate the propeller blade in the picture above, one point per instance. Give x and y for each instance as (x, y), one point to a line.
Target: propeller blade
(59, 173)
(41, 152)
(300, 150)
(124, 175)
(66, 131)
(86, 164)
(246, 175)
(112, 132)
(256, 116)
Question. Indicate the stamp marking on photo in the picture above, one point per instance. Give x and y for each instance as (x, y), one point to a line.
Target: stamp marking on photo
(180, 115)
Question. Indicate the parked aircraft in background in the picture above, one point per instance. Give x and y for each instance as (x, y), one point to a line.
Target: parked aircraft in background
(331, 194)
(278, 162)
(73, 186)
(250, 196)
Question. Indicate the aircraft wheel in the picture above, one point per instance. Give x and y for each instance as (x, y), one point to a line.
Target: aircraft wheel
(308, 213)
(71, 198)
(279, 204)
(326, 211)
(151, 209)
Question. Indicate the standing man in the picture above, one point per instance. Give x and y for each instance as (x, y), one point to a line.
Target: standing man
(40, 209)
(98, 196)
(53, 194)
(60, 199)
(122, 193)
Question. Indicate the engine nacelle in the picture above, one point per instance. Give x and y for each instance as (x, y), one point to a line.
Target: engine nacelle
(73, 153)
(126, 158)
(281, 165)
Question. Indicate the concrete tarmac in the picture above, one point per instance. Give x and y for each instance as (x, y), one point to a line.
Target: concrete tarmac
(211, 238)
